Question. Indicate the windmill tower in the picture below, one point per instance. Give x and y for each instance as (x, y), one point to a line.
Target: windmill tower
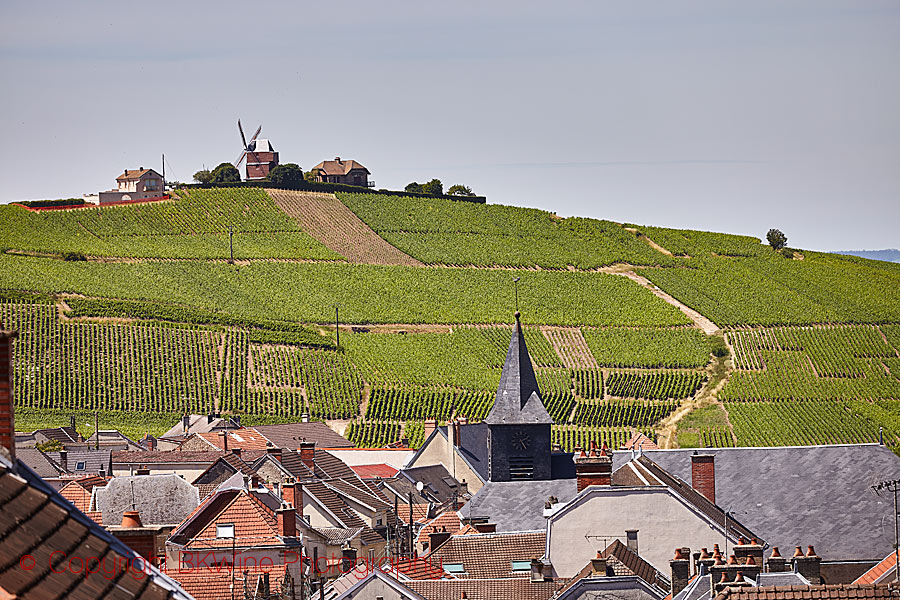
(259, 153)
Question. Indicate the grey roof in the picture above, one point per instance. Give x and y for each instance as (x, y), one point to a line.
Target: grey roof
(699, 587)
(159, 499)
(805, 495)
(518, 398)
(612, 588)
(436, 479)
(518, 505)
(39, 462)
(94, 460)
(785, 578)
(289, 435)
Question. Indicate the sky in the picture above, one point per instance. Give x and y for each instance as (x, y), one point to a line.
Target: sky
(722, 116)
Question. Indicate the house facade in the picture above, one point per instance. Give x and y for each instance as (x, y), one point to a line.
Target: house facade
(348, 172)
(133, 184)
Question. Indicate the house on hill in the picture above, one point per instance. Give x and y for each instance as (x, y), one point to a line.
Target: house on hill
(133, 184)
(348, 172)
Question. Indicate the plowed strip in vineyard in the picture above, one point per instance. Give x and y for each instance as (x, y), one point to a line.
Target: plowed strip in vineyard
(328, 220)
(571, 347)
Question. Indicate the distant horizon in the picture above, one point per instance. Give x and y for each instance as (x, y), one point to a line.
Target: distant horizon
(724, 117)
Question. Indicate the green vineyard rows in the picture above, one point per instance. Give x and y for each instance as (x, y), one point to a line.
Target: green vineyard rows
(798, 423)
(659, 385)
(569, 437)
(438, 231)
(629, 413)
(648, 348)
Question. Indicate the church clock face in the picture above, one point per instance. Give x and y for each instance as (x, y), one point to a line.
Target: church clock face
(521, 440)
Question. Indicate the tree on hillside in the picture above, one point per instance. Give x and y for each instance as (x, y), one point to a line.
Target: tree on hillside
(203, 176)
(224, 173)
(433, 187)
(287, 175)
(413, 187)
(777, 239)
(460, 190)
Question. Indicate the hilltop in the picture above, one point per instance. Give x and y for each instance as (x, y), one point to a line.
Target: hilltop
(698, 338)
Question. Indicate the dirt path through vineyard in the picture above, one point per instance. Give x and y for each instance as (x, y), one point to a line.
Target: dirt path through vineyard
(328, 220)
(708, 327)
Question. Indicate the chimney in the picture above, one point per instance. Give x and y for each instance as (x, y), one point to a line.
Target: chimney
(436, 538)
(287, 522)
(337, 159)
(304, 418)
(274, 453)
(64, 460)
(776, 563)
(704, 559)
(808, 565)
(593, 468)
(745, 550)
(131, 519)
(681, 570)
(7, 412)
(72, 421)
(289, 492)
(210, 418)
(703, 475)
(348, 559)
(254, 481)
(598, 566)
(308, 454)
(463, 420)
(185, 423)
(224, 436)
(537, 571)
(631, 540)
(236, 451)
(430, 425)
(486, 527)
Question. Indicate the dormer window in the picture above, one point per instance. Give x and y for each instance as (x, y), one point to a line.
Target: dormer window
(225, 531)
(79, 466)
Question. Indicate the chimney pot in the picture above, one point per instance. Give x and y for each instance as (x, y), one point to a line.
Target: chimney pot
(704, 553)
(810, 551)
(131, 519)
(798, 551)
(775, 552)
(236, 451)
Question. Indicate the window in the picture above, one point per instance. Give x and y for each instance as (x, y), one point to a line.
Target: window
(521, 565)
(225, 530)
(379, 522)
(454, 568)
(79, 466)
(521, 467)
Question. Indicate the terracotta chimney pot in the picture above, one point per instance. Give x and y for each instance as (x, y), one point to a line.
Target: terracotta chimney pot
(732, 560)
(678, 554)
(775, 552)
(704, 553)
(750, 561)
(810, 551)
(798, 551)
(131, 519)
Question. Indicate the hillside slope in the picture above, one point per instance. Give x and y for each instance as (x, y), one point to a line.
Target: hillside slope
(157, 320)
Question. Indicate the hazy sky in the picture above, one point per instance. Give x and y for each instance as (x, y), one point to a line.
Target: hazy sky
(726, 116)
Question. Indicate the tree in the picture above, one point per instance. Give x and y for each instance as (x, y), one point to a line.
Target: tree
(777, 239)
(203, 176)
(224, 173)
(460, 190)
(413, 187)
(311, 176)
(433, 187)
(287, 175)
(49, 446)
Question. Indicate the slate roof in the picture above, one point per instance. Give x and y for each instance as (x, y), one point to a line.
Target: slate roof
(490, 555)
(518, 399)
(436, 479)
(163, 499)
(289, 435)
(199, 424)
(472, 446)
(518, 505)
(812, 592)
(94, 461)
(792, 496)
(483, 589)
(37, 521)
(698, 588)
(245, 438)
(632, 564)
(137, 458)
(609, 587)
(39, 462)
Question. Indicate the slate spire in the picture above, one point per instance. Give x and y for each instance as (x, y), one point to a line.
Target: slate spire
(518, 399)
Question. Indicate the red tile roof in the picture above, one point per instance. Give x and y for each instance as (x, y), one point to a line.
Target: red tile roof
(877, 573)
(419, 568)
(640, 441)
(254, 525)
(419, 512)
(449, 520)
(130, 174)
(490, 555)
(212, 584)
(371, 471)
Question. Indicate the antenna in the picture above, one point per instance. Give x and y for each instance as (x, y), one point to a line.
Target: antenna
(133, 504)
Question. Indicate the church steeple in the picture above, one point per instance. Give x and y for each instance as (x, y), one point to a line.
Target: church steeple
(518, 400)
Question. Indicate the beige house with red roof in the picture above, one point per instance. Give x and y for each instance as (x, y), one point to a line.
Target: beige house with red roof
(133, 184)
(348, 172)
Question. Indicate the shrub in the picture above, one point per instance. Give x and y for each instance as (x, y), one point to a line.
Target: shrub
(73, 256)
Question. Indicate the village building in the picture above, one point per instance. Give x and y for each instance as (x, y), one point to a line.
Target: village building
(133, 184)
(348, 172)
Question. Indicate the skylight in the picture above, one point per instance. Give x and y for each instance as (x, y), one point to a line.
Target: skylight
(454, 568)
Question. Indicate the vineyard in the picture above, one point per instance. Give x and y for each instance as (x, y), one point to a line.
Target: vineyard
(440, 231)
(156, 323)
(194, 225)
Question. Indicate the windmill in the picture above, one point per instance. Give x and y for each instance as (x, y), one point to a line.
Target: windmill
(259, 153)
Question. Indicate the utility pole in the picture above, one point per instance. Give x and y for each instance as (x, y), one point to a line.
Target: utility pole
(230, 244)
(164, 172)
(892, 486)
(337, 326)
(410, 527)
(97, 428)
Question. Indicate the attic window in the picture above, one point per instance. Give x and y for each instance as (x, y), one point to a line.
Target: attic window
(79, 466)
(521, 565)
(455, 568)
(225, 530)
